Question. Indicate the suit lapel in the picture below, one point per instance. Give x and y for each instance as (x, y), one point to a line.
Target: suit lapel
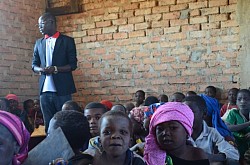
(57, 47)
(44, 49)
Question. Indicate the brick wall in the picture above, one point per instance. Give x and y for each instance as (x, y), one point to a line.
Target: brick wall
(160, 46)
(18, 35)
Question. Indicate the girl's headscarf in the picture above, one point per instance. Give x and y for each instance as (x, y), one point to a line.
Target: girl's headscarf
(213, 110)
(167, 112)
(20, 133)
(138, 113)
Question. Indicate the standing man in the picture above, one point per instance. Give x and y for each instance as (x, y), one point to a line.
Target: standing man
(54, 58)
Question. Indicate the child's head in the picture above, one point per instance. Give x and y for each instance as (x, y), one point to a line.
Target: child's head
(28, 105)
(198, 105)
(137, 116)
(129, 107)
(71, 105)
(4, 104)
(37, 104)
(170, 126)
(115, 133)
(13, 101)
(232, 95)
(94, 111)
(243, 100)
(74, 126)
(151, 100)
(139, 97)
(191, 93)
(163, 98)
(177, 97)
(108, 104)
(119, 107)
(210, 91)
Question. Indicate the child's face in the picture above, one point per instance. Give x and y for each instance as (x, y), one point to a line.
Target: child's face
(115, 135)
(176, 98)
(36, 104)
(171, 135)
(13, 104)
(93, 116)
(243, 101)
(139, 98)
(198, 113)
(232, 96)
(210, 92)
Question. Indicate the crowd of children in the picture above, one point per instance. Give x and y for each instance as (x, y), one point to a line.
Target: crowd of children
(181, 129)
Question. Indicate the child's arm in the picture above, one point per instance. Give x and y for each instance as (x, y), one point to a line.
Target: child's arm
(238, 127)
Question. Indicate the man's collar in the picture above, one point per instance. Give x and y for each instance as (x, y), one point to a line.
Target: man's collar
(56, 35)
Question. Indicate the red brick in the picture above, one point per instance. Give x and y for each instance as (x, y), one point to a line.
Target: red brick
(127, 14)
(172, 15)
(79, 34)
(113, 9)
(150, 46)
(154, 32)
(229, 23)
(89, 39)
(230, 38)
(133, 20)
(198, 5)
(195, 12)
(177, 36)
(177, 22)
(233, 2)
(178, 7)
(197, 34)
(103, 24)
(88, 26)
(139, 33)
(228, 9)
(172, 29)
(120, 21)
(111, 16)
(168, 2)
(96, 12)
(215, 25)
(208, 11)
(185, 1)
(160, 9)
(156, 24)
(94, 31)
(153, 17)
(111, 29)
(126, 28)
(91, 6)
(130, 6)
(147, 4)
(194, 27)
(218, 17)
(213, 3)
(140, 26)
(188, 42)
(178, 51)
(133, 47)
(140, 40)
(103, 37)
(201, 19)
(143, 12)
(122, 42)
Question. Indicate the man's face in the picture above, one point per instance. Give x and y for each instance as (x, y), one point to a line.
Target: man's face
(46, 25)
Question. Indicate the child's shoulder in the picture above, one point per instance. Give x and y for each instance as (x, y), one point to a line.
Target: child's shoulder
(137, 159)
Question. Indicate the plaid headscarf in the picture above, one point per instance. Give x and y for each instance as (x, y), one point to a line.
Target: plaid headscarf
(138, 113)
(20, 133)
(168, 112)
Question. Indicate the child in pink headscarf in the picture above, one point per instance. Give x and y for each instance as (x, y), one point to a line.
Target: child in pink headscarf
(170, 126)
(14, 139)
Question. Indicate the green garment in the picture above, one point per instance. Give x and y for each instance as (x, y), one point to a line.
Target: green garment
(235, 117)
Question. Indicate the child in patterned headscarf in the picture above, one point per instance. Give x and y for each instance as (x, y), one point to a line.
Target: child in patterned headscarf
(170, 126)
(14, 138)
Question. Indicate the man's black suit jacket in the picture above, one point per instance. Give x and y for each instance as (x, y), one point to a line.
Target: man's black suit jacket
(64, 54)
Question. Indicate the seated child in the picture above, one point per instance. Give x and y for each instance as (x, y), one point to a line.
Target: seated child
(139, 98)
(213, 118)
(115, 136)
(4, 104)
(232, 95)
(108, 104)
(239, 123)
(170, 126)
(119, 107)
(71, 105)
(163, 98)
(14, 139)
(210, 91)
(94, 111)
(191, 93)
(129, 107)
(76, 130)
(208, 138)
(177, 97)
